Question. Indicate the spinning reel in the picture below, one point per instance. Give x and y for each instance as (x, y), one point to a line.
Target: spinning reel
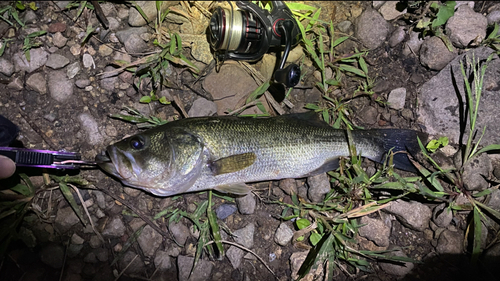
(248, 32)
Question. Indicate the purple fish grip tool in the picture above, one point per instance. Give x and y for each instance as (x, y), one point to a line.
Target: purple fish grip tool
(36, 158)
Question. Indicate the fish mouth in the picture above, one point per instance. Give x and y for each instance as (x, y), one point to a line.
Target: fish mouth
(105, 162)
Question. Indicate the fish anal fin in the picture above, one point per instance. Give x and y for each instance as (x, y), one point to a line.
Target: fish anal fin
(329, 165)
(235, 188)
(232, 163)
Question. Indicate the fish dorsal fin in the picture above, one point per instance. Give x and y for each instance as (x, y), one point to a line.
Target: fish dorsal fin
(232, 163)
(234, 188)
(311, 118)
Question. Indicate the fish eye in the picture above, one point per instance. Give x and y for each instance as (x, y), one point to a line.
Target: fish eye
(137, 142)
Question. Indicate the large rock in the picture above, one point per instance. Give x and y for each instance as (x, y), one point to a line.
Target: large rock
(442, 109)
(466, 26)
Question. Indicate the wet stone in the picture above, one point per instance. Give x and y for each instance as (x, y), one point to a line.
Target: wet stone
(283, 234)
(149, 240)
(246, 204)
(56, 61)
(114, 229)
(200, 273)
(225, 210)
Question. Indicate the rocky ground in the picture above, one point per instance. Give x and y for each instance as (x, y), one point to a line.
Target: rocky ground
(63, 96)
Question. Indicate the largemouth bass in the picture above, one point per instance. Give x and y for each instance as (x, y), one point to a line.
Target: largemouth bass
(224, 153)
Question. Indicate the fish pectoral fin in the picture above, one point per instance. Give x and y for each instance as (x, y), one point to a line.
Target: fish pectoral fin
(329, 165)
(232, 163)
(235, 188)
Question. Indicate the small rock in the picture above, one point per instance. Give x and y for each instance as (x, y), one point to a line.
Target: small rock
(319, 185)
(493, 17)
(225, 210)
(283, 234)
(412, 46)
(135, 44)
(82, 83)
(75, 239)
(73, 70)
(56, 61)
(90, 126)
(201, 272)
(29, 17)
(244, 236)
(6, 67)
(289, 186)
(202, 107)
(434, 54)
(344, 26)
(105, 51)
(60, 87)
(52, 255)
(114, 24)
(371, 29)
(475, 172)
(466, 26)
(180, 232)
(397, 36)
(395, 269)
(375, 230)
(246, 204)
(38, 83)
(369, 115)
(38, 58)
(114, 229)
(450, 242)
(95, 242)
(132, 263)
(132, 192)
(397, 98)
(149, 240)
(65, 219)
(441, 215)
(108, 80)
(413, 214)
(101, 254)
(392, 9)
(16, 84)
(90, 258)
(162, 261)
(296, 261)
(57, 27)
(59, 40)
(234, 255)
(88, 61)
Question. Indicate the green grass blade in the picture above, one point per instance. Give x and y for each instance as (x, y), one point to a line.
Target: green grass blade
(476, 245)
(214, 226)
(71, 200)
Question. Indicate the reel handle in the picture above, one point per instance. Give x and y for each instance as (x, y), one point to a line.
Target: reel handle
(289, 76)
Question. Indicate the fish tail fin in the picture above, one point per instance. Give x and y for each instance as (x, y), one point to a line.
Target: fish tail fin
(398, 140)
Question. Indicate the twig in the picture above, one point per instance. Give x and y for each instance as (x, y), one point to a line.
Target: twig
(180, 105)
(245, 249)
(202, 9)
(243, 107)
(100, 14)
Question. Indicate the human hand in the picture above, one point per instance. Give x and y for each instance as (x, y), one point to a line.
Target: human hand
(7, 167)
